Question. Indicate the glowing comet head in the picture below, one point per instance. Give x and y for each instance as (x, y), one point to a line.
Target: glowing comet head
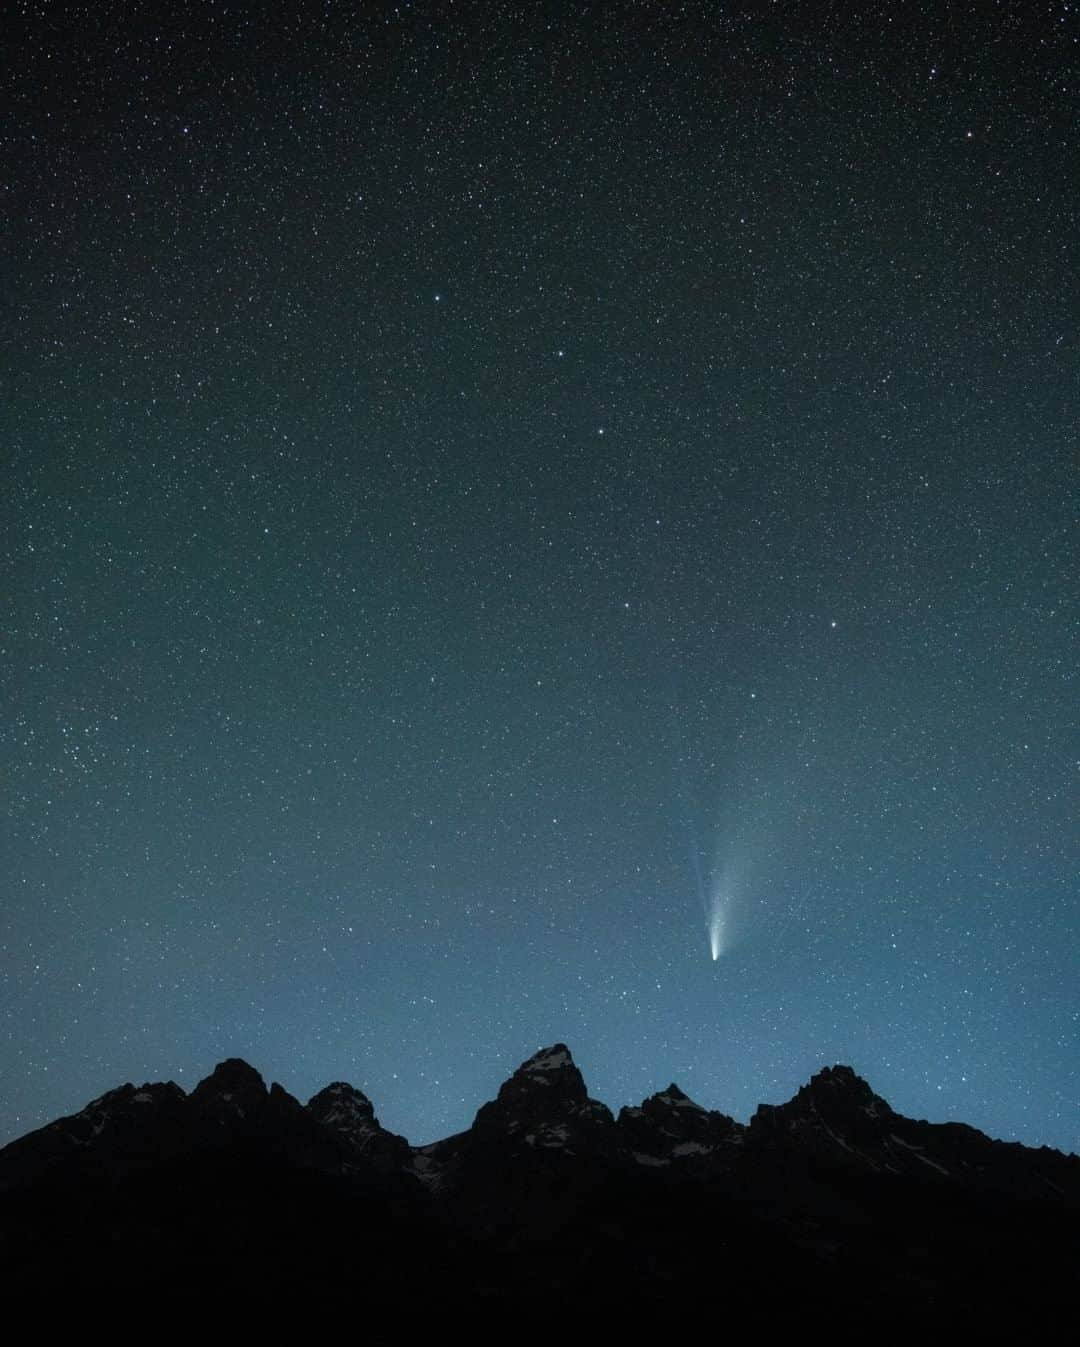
(716, 927)
(723, 896)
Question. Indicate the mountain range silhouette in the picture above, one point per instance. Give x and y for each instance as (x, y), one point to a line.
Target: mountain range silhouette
(548, 1210)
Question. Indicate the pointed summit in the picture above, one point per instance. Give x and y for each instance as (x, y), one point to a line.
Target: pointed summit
(350, 1115)
(232, 1089)
(545, 1105)
(674, 1097)
(231, 1074)
(549, 1059)
(344, 1108)
(552, 1066)
(670, 1126)
(548, 1081)
(835, 1115)
(836, 1097)
(842, 1079)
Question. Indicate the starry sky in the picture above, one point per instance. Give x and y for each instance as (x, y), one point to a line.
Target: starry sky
(485, 487)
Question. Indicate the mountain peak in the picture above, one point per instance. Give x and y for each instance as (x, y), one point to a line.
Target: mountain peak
(674, 1098)
(669, 1126)
(551, 1070)
(350, 1115)
(343, 1107)
(233, 1073)
(546, 1104)
(554, 1058)
(835, 1109)
(839, 1075)
(834, 1091)
(232, 1087)
(841, 1086)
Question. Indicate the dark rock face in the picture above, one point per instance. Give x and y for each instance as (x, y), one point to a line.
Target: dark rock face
(350, 1116)
(545, 1106)
(831, 1205)
(669, 1128)
(232, 1092)
(837, 1120)
(124, 1130)
(836, 1115)
(345, 1109)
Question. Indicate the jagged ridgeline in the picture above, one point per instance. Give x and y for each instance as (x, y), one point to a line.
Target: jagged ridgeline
(830, 1202)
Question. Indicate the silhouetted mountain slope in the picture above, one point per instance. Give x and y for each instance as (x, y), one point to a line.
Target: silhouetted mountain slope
(830, 1204)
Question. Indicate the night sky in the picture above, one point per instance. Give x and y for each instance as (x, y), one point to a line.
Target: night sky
(497, 499)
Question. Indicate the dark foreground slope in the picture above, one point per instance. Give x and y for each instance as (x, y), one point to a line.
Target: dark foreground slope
(548, 1213)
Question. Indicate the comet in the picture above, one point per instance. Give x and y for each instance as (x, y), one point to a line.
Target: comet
(717, 923)
(717, 885)
(716, 938)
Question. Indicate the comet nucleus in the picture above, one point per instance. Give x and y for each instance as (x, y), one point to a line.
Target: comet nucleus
(717, 920)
